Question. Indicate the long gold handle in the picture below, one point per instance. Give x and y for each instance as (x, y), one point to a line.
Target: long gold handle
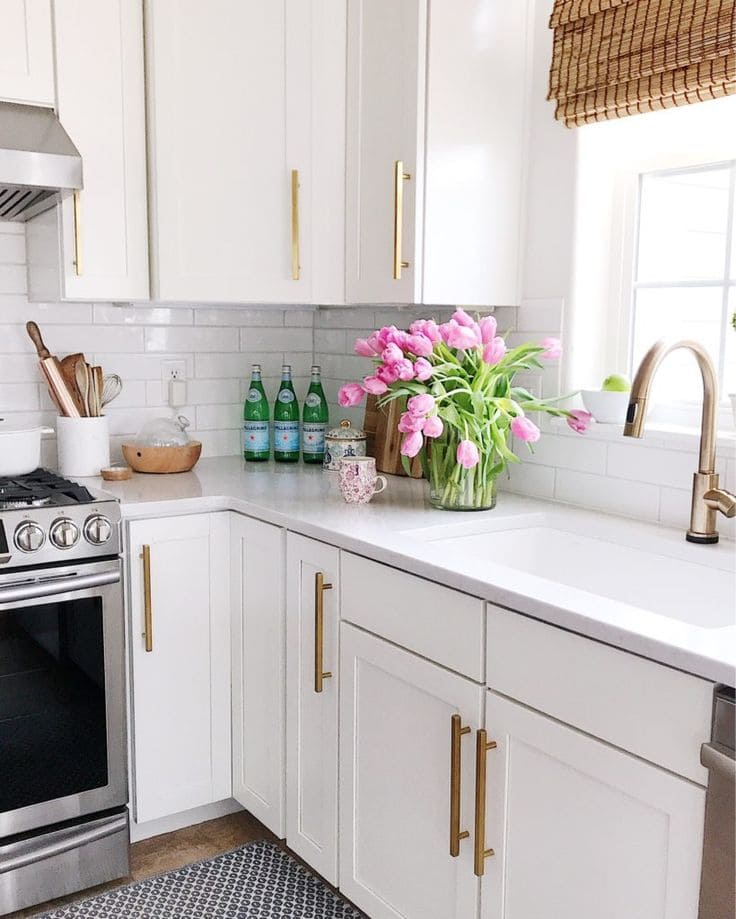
(295, 266)
(482, 746)
(319, 630)
(77, 234)
(456, 732)
(399, 178)
(147, 606)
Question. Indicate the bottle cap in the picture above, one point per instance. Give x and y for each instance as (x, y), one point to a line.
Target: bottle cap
(286, 368)
(316, 368)
(256, 368)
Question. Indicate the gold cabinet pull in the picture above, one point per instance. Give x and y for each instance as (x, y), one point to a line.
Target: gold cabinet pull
(457, 731)
(147, 610)
(319, 630)
(399, 178)
(77, 234)
(482, 746)
(295, 266)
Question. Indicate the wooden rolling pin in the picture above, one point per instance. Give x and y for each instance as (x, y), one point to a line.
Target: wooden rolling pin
(51, 369)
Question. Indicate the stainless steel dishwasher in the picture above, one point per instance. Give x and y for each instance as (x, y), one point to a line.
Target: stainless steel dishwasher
(718, 883)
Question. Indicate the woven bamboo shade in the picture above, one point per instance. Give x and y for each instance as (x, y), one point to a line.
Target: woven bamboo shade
(620, 57)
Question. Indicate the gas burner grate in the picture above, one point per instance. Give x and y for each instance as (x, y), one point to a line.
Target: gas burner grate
(39, 488)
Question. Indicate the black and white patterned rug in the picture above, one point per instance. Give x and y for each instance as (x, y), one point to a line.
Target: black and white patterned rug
(257, 881)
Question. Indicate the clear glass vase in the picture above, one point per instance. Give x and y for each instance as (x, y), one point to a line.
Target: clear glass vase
(454, 488)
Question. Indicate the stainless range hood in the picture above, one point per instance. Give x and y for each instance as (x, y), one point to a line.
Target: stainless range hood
(38, 161)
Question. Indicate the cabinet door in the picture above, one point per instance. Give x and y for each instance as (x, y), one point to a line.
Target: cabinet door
(97, 248)
(181, 686)
(386, 92)
(396, 713)
(225, 139)
(27, 59)
(582, 829)
(311, 703)
(257, 593)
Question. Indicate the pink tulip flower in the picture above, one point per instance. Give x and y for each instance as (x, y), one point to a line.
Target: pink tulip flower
(488, 328)
(579, 420)
(385, 335)
(391, 354)
(423, 370)
(374, 341)
(388, 373)
(494, 350)
(421, 404)
(374, 386)
(462, 318)
(525, 429)
(426, 327)
(552, 349)
(467, 454)
(405, 369)
(461, 337)
(364, 348)
(433, 426)
(409, 423)
(412, 443)
(420, 345)
(350, 394)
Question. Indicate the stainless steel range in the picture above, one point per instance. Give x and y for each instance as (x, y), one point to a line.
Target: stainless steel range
(63, 788)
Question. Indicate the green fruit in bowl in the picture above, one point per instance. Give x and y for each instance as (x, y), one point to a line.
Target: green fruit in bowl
(616, 382)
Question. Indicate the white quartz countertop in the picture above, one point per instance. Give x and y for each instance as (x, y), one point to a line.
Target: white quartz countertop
(398, 527)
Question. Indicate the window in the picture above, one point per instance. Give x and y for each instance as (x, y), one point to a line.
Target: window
(685, 273)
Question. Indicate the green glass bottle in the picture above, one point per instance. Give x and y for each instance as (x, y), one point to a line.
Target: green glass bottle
(314, 420)
(256, 429)
(286, 421)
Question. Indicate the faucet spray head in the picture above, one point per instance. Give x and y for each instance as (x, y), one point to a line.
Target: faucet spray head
(635, 416)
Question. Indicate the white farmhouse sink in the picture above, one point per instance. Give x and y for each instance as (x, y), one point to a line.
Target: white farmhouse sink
(638, 564)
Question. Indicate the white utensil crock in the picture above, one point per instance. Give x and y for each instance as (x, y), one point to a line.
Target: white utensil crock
(83, 445)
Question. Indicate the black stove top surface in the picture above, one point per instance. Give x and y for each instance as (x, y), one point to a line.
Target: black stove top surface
(40, 489)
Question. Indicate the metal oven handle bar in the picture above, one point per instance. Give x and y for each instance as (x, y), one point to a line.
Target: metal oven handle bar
(21, 854)
(58, 586)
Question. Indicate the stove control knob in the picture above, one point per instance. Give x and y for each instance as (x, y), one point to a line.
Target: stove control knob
(29, 537)
(64, 533)
(97, 530)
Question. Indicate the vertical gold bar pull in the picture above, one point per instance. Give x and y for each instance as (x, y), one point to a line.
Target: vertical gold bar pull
(482, 746)
(399, 178)
(77, 235)
(319, 630)
(147, 606)
(295, 266)
(456, 732)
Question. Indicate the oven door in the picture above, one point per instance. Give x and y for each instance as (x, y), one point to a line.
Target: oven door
(62, 695)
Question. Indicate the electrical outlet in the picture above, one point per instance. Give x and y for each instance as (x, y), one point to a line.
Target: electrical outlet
(173, 370)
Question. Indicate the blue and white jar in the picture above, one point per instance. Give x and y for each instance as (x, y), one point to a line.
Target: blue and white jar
(343, 441)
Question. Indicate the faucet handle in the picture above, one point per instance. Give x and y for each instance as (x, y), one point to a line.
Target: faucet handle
(721, 500)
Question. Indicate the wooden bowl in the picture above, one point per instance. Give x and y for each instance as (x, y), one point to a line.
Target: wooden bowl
(162, 459)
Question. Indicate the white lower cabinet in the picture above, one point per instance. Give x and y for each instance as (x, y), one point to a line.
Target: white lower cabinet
(396, 713)
(180, 660)
(258, 658)
(581, 829)
(312, 603)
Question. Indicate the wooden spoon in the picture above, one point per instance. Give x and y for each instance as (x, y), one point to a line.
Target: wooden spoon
(68, 365)
(81, 375)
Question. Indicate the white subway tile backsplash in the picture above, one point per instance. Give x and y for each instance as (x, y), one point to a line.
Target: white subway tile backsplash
(258, 339)
(235, 316)
(219, 417)
(18, 368)
(578, 453)
(13, 278)
(529, 479)
(12, 249)
(539, 314)
(68, 339)
(634, 461)
(115, 314)
(18, 396)
(194, 339)
(615, 496)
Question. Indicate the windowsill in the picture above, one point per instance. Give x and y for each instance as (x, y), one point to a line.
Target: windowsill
(656, 434)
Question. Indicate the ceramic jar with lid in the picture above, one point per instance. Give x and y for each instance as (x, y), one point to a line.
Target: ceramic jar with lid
(344, 440)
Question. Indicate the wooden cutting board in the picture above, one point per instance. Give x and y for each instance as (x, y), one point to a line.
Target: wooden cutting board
(383, 438)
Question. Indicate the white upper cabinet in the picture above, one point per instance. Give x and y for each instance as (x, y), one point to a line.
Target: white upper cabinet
(246, 149)
(94, 246)
(437, 93)
(27, 58)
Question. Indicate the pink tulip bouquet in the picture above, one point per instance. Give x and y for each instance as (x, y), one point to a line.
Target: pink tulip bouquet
(461, 403)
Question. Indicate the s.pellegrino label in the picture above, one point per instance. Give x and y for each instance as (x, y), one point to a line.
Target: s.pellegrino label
(256, 429)
(314, 420)
(286, 421)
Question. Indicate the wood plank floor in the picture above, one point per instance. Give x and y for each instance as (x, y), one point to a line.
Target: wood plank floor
(173, 850)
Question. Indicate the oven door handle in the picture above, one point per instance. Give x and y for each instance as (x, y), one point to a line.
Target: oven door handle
(53, 586)
(22, 854)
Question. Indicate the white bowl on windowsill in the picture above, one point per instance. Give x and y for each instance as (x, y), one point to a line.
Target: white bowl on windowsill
(605, 406)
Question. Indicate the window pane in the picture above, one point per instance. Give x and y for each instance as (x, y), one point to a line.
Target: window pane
(729, 371)
(682, 229)
(680, 312)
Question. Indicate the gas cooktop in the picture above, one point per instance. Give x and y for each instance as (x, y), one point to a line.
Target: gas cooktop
(46, 519)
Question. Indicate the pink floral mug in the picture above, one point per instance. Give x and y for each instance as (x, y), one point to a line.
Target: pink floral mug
(358, 479)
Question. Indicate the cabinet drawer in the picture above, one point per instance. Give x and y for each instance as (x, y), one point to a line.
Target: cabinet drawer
(441, 624)
(658, 713)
